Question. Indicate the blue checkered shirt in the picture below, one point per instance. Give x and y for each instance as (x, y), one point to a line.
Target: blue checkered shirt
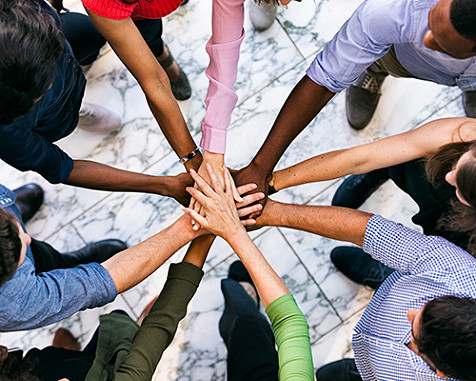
(427, 267)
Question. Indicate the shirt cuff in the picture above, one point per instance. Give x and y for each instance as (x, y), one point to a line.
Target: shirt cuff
(213, 139)
(318, 75)
(185, 271)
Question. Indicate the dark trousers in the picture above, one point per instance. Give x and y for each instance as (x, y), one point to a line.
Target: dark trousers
(47, 258)
(58, 363)
(433, 202)
(248, 337)
(86, 41)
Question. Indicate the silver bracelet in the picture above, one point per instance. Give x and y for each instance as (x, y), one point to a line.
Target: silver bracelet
(189, 156)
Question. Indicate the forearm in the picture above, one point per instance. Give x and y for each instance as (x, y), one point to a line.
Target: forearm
(92, 175)
(169, 117)
(342, 224)
(328, 166)
(198, 250)
(302, 105)
(267, 282)
(133, 265)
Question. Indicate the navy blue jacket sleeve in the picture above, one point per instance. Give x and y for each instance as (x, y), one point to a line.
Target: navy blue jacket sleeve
(25, 150)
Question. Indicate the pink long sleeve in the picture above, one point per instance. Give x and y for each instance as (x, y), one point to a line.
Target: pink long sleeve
(224, 50)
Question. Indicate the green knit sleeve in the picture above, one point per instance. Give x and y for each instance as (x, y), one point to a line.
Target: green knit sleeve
(159, 327)
(292, 338)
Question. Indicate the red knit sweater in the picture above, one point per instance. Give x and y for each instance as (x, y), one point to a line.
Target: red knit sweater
(141, 9)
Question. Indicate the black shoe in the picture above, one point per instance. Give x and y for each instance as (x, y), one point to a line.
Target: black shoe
(358, 266)
(469, 103)
(361, 99)
(342, 370)
(95, 252)
(238, 272)
(29, 199)
(355, 189)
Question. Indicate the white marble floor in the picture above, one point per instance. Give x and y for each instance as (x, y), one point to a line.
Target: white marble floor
(272, 62)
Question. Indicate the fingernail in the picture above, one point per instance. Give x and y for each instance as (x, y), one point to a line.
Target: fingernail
(260, 206)
(193, 222)
(196, 227)
(240, 199)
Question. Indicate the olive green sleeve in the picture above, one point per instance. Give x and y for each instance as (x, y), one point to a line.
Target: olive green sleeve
(292, 338)
(160, 325)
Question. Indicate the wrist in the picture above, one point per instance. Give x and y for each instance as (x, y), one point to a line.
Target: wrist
(194, 163)
(236, 236)
(215, 159)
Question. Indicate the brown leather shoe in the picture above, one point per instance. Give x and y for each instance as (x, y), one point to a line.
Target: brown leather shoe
(65, 339)
(361, 99)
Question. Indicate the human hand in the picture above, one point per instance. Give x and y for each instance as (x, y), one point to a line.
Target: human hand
(218, 164)
(250, 174)
(176, 187)
(221, 216)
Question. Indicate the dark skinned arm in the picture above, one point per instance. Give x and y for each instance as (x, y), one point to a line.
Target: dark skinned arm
(92, 175)
(303, 104)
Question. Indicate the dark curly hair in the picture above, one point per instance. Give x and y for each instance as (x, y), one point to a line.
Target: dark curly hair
(10, 246)
(30, 44)
(447, 336)
(463, 16)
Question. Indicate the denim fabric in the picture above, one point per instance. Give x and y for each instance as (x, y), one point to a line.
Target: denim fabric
(30, 301)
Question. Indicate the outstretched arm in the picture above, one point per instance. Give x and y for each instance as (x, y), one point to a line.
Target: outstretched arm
(334, 222)
(309, 98)
(393, 150)
(93, 175)
(133, 265)
(289, 324)
(159, 326)
(126, 40)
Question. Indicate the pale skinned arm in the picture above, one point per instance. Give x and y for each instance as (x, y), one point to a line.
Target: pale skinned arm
(133, 265)
(126, 40)
(393, 150)
(342, 224)
(221, 218)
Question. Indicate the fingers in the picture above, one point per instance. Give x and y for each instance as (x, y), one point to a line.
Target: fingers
(199, 197)
(248, 210)
(243, 189)
(215, 182)
(251, 198)
(230, 187)
(197, 217)
(202, 183)
(248, 222)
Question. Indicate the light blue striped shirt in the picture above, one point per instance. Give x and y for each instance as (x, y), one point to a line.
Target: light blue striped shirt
(368, 35)
(427, 267)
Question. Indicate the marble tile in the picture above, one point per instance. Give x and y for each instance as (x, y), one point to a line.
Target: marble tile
(197, 350)
(271, 63)
(335, 345)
